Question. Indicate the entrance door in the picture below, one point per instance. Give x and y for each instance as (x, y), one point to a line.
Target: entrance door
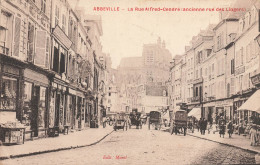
(79, 112)
(35, 106)
(57, 109)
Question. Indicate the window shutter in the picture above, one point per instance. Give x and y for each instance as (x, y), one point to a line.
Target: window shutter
(40, 53)
(30, 42)
(17, 30)
(47, 52)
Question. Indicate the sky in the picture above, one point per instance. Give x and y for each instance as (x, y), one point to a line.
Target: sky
(125, 32)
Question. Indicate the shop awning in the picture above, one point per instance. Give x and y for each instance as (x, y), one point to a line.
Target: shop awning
(195, 112)
(253, 103)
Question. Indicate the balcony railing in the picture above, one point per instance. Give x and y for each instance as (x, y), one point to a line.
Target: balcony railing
(4, 50)
(211, 98)
(195, 99)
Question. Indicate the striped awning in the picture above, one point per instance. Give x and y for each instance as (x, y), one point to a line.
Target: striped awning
(252, 104)
(195, 112)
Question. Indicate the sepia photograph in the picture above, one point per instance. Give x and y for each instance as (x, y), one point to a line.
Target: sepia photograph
(129, 82)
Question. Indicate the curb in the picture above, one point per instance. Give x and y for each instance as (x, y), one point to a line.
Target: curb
(54, 150)
(230, 145)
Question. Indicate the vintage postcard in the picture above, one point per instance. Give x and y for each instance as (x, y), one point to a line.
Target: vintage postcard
(132, 82)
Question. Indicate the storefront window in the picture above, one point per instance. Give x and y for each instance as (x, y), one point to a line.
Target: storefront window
(42, 108)
(52, 110)
(27, 106)
(8, 91)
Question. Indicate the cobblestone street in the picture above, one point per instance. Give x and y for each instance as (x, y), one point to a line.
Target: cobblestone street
(144, 147)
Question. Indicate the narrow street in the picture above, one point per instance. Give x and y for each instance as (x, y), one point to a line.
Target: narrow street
(143, 146)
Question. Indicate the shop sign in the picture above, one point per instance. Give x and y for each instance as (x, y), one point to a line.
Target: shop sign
(224, 103)
(32, 75)
(62, 37)
(255, 79)
(80, 94)
(10, 69)
(211, 104)
(240, 70)
(72, 91)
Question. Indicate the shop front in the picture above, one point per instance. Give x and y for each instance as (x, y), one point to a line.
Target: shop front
(35, 103)
(81, 102)
(71, 109)
(58, 106)
(251, 108)
(243, 115)
(88, 112)
(11, 81)
(210, 110)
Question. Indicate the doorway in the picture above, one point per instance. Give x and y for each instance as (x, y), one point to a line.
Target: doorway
(35, 110)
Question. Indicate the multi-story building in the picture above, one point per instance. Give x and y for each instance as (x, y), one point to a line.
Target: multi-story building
(226, 66)
(153, 97)
(246, 58)
(47, 67)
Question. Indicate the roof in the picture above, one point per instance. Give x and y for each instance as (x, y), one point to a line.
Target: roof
(239, 4)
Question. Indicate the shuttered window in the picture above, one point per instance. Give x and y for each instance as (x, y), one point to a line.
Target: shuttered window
(30, 53)
(17, 30)
(56, 59)
(40, 53)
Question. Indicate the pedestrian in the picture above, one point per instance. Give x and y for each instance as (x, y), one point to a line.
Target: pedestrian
(222, 125)
(204, 126)
(230, 128)
(104, 122)
(199, 126)
(253, 135)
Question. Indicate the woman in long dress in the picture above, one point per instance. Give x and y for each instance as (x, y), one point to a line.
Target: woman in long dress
(253, 135)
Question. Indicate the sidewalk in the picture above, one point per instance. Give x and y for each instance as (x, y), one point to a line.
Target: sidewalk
(237, 141)
(76, 139)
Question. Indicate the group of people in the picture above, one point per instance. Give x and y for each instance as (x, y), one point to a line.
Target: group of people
(202, 125)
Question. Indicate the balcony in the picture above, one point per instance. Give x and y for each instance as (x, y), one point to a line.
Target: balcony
(211, 98)
(4, 50)
(195, 99)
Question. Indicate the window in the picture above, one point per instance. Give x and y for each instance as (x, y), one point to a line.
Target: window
(62, 61)
(8, 93)
(43, 6)
(27, 106)
(208, 52)
(41, 49)
(30, 49)
(5, 32)
(242, 56)
(56, 59)
(57, 15)
(63, 23)
(219, 41)
(232, 66)
(59, 59)
(212, 68)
